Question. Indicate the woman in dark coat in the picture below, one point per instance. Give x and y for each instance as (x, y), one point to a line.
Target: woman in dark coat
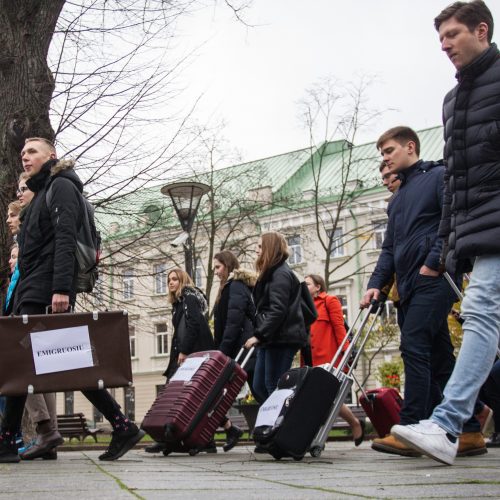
(279, 326)
(234, 314)
(189, 318)
(191, 330)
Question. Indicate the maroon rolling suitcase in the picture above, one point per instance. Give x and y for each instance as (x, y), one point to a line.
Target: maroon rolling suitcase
(382, 407)
(190, 408)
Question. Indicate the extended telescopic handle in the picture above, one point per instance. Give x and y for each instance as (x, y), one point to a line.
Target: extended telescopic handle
(460, 295)
(247, 357)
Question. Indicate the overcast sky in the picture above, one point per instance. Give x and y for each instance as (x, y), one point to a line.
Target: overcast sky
(253, 78)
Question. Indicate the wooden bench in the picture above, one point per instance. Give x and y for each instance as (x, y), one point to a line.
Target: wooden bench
(75, 426)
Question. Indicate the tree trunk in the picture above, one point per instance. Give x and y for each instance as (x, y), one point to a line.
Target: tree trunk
(26, 86)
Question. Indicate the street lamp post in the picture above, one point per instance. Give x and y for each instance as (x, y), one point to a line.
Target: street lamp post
(186, 197)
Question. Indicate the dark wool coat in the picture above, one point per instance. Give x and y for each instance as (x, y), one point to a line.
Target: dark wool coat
(191, 330)
(279, 319)
(234, 313)
(47, 240)
(471, 115)
(411, 239)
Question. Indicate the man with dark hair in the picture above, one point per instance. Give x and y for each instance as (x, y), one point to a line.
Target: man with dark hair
(389, 179)
(411, 251)
(48, 271)
(470, 224)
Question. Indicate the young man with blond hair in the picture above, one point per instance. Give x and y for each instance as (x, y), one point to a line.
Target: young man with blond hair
(48, 271)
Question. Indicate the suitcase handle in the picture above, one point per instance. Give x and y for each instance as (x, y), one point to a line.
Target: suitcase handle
(375, 308)
(71, 309)
(247, 357)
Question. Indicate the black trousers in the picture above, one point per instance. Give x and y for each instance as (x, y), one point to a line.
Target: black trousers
(14, 405)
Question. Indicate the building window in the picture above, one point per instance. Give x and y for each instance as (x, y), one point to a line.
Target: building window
(159, 388)
(98, 293)
(379, 230)
(337, 242)
(295, 250)
(198, 273)
(129, 399)
(97, 415)
(160, 276)
(161, 338)
(69, 403)
(131, 332)
(128, 284)
(343, 302)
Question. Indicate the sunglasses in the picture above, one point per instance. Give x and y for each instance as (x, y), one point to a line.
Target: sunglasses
(22, 190)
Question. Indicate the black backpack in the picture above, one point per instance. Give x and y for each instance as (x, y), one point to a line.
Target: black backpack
(309, 311)
(88, 246)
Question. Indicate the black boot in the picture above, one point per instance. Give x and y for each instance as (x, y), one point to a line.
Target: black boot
(121, 442)
(8, 449)
(233, 435)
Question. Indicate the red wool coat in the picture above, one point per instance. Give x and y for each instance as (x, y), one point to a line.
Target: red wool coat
(328, 331)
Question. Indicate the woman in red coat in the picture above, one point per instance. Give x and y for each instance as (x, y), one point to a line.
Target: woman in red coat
(327, 334)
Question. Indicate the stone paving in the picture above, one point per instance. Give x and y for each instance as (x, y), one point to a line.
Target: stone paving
(343, 471)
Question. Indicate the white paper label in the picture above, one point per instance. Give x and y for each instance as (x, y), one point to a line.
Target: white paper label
(61, 350)
(271, 409)
(186, 371)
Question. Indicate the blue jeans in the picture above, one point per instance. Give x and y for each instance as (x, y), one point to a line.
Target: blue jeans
(271, 363)
(481, 312)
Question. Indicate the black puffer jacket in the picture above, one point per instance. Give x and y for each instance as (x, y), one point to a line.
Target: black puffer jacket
(47, 240)
(471, 211)
(279, 319)
(234, 314)
(191, 330)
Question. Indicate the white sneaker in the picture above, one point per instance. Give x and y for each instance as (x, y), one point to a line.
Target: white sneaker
(428, 438)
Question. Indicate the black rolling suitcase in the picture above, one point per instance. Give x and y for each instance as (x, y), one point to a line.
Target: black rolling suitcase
(290, 421)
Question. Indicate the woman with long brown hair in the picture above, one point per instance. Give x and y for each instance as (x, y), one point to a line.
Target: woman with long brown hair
(234, 313)
(327, 334)
(279, 329)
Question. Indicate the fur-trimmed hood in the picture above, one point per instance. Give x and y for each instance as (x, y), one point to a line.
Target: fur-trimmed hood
(249, 278)
(198, 295)
(62, 165)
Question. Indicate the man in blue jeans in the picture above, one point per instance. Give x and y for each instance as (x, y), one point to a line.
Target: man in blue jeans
(411, 251)
(471, 218)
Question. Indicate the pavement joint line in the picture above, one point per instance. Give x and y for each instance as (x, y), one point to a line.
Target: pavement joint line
(118, 481)
(282, 483)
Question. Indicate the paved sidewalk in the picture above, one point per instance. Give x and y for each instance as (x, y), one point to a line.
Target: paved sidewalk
(343, 471)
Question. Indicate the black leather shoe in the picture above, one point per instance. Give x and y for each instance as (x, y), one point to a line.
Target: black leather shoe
(44, 444)
(233, 435)
(50, 455)
(360, 439)
(493, 441)
(121, 442)
(155, 448)
(8, 454)
(210, 447)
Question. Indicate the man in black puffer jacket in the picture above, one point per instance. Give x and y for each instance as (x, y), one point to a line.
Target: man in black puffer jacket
(471, 217)
(411, 250)
(47, 266)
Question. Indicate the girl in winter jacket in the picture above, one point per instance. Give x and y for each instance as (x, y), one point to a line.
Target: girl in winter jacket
(189, 309)
(191, 330)
(279, 325)
(234, 314)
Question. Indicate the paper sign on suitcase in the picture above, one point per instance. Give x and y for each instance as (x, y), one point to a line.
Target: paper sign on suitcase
(64, 352)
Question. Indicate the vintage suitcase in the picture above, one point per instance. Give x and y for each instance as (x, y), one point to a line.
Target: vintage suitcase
(298, 415)
(187, 412)
(64, 352)
(382, 407)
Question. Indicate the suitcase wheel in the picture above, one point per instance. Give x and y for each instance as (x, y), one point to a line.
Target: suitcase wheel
(277, 456)
(166, 453)
(193, 451)
(298, 459)
(316, 451)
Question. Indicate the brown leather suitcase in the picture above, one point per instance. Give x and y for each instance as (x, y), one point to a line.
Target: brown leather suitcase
(64, 352)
